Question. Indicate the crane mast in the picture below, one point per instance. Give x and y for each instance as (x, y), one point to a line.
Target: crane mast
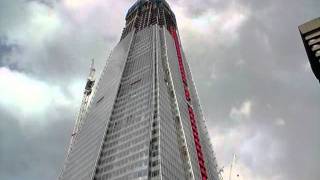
(85, 102)
(83, 108)
(232, 166)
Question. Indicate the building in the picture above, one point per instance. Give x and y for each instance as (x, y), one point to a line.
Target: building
(144, 120)
(310, 33)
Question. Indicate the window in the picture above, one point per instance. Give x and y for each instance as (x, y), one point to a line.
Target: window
(313, 35)
(155, 163)
(315, 47)
(100, 100)
(155, 173)
(313, 41)
(154, 154)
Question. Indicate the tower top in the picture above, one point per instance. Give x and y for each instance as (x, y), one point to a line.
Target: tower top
(139, 4)
(310, 26)
(145, 13)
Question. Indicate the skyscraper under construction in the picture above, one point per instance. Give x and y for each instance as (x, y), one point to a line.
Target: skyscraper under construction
(144, 120)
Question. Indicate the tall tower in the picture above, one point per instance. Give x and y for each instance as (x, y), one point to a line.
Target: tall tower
(144, 120)
(310, 33)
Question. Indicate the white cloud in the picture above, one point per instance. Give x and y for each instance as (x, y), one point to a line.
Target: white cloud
(280, 122)
(242, 172)
(261, 147)
(76, 3)
(233, 18)
(27, 97)
(256, 152)
(99, 16)
(211, 25)
(40, 24)
(244, 111)
(240, 62)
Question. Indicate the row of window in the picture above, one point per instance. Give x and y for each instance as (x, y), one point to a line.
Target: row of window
(120, 164)
(121, 103)
(130, 126)
(130, 112)
(127, 160)
(132, 150)
(139, 63)
(140, 132)
(123, 145)
(125, 109)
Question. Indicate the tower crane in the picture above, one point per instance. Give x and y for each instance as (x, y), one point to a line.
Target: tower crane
(83, 108)
(233, 163)
(85, 100)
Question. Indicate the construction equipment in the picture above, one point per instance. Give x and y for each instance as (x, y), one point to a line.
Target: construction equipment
(221, 170)
(233, 163)
(83, 108)
(85, 102)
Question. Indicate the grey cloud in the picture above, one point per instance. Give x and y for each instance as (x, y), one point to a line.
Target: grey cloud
(49, 3)
(70, 49)
(271, 75)
(36, 149)
(12, 12)
(29, 151)
(5, 49)
(263, 65)
(196, 8)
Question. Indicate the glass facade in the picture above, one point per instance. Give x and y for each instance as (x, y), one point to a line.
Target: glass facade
(145, 119)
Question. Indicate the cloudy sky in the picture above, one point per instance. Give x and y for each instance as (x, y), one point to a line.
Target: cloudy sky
(260, 98)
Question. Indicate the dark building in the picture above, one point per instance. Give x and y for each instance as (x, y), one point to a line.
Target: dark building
(144, 121)
(310, 33)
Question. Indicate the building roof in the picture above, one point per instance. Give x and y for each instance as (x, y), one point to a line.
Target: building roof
(310, 25)
(139, 3)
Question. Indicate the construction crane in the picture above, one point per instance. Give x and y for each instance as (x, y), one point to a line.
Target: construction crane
(83, 108)
(220, 173)
(85, 102)
(233, 163)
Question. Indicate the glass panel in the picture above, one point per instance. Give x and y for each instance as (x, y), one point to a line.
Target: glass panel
(313, 35)
(313, 41)
(315, 47)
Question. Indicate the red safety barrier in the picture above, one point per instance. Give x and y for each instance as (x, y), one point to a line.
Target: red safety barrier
(192, 118)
